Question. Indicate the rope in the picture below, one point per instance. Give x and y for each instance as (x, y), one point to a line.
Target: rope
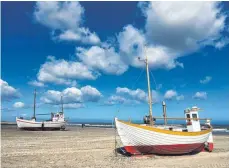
(131, 89)
(137, 79)
(154, 80)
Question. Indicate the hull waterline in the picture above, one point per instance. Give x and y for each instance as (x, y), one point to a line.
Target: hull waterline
(175, 149)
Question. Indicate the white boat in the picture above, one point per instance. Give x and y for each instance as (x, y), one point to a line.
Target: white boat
(149, 138)
(28, 124)
(57, 121)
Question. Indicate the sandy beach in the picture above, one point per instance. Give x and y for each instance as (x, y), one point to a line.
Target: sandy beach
(93, 147)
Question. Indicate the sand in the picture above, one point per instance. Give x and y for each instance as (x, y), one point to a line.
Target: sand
(93, 147)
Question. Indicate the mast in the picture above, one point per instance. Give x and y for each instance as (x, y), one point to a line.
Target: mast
(149, 92)
(62, 105)
(34, 104)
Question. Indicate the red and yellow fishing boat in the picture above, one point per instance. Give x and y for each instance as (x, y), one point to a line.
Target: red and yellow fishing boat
(165, 139)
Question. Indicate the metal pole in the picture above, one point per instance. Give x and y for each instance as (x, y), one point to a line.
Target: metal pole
(164, 113)
(34, 104)
(62, 105)
(174, 118)
(149, 92)
(115, 139)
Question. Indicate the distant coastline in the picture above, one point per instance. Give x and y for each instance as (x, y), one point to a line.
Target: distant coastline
(219, 129)
(216, 124)
(8, 123)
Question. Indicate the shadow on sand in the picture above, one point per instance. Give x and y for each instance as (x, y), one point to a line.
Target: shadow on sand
(123, 152)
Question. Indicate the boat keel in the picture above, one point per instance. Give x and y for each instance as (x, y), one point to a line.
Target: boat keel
(175, 149)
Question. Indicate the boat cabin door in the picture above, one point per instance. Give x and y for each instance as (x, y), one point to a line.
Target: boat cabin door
(192, 121)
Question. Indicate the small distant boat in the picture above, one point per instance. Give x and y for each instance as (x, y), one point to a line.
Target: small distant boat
(149, 138)
(57, 121)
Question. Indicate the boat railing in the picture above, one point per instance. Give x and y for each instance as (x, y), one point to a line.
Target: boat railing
(174, 118)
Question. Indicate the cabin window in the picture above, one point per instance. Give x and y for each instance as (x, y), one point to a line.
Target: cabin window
(194, 116)
(188, 117)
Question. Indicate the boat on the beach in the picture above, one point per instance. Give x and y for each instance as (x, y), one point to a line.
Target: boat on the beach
(57, 121)
(165, 139)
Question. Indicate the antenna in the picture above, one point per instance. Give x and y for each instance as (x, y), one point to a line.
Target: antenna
(164, 112)
(34, 103)
(62, 105)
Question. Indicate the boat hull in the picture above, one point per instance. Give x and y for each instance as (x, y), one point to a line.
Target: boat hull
(46, 125)
(52, 125)
(145, 139)
(28, 124)
(165, 149)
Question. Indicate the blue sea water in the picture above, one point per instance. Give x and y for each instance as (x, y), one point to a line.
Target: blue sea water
(217, 123)
(222, 127)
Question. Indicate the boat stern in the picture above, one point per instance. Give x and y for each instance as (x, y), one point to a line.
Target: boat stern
(209, 145)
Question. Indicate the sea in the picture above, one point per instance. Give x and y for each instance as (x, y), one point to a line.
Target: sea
(219, 127)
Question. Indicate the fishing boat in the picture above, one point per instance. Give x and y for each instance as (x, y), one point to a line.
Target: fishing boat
(57, 121)
(165, 139)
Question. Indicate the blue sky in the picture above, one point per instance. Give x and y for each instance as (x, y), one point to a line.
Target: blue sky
(88, 53)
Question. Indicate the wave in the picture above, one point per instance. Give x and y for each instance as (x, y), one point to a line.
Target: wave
(220, 130)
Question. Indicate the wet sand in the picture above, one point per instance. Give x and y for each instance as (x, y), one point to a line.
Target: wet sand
(93, 147)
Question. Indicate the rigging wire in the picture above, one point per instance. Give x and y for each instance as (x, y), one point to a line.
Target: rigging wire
(151, 73)
(131, 89)
(137, 78)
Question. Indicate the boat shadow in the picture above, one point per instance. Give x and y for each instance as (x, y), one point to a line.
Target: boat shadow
(40, 129)
(123, 152)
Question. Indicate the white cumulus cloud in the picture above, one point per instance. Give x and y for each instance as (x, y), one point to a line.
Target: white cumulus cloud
(36, 83)
(137, 94)
(72, 95)
(74, 105)
(114, 99)
(90, 94)
(222, 42)
(82, 34)
(103, 59)
(18, 105)
(67, 18)
(180, 97)
(172, 94)
(200, 95)
(170, 33)
(169, 94)
(132, 44)
(181, 26)
(59, 15)
(8, 92)
(206, 80)
(64, 72)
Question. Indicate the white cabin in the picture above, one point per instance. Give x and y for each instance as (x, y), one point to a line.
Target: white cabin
(193, 123)
(57, 116)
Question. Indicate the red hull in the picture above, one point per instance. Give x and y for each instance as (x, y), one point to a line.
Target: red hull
(165, 149)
